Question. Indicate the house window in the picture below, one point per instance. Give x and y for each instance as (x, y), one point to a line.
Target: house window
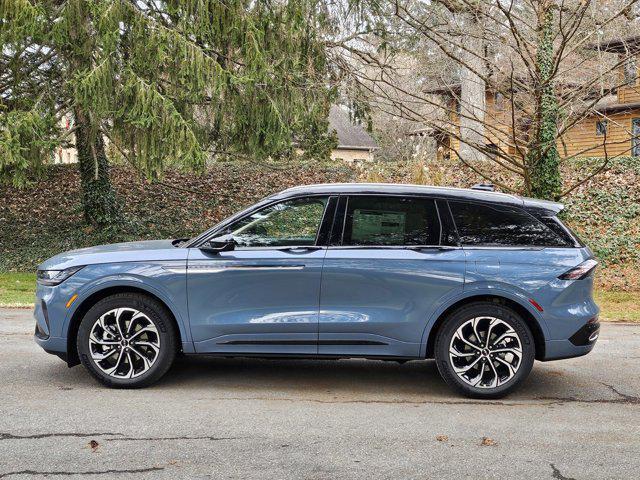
(492, 151)
(630, 71)
(601, 127)
(635, 139)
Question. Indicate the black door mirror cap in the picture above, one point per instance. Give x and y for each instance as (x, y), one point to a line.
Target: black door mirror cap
(224, 243)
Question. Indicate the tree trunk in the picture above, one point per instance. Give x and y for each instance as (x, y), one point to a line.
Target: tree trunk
(543, 159)
(98, 197)
(472, 93)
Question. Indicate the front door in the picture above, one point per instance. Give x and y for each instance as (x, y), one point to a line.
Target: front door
(386, 275)
(262, 297)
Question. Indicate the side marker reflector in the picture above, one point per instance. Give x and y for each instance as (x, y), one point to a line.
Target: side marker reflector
(536, 304)
(72, 299)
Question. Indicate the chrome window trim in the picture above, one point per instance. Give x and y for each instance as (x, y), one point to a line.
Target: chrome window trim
(280, 247)
(393, 247)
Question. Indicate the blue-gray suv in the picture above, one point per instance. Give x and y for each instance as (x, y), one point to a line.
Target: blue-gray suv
(483, 282)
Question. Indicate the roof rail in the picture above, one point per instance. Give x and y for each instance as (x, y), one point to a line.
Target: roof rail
(487, 187)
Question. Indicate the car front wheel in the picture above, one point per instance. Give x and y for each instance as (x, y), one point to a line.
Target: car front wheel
(484, 350)
(127, 340)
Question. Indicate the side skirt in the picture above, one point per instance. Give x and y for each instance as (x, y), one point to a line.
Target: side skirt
(297, 356)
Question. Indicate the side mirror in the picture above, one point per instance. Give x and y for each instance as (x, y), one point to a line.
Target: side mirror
(223, 243)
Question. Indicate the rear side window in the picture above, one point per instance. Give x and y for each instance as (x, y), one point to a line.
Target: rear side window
(390, 221)
(568, 237)
(492, 225)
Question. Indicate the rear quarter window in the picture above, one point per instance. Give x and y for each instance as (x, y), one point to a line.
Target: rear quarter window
(495, 225)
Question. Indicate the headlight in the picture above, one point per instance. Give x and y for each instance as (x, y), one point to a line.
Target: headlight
(56, 277)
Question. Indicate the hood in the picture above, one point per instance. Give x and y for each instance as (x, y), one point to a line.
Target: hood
(150, 250)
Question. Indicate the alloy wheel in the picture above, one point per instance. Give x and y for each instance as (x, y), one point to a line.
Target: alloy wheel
(124, 343)
(485, 352)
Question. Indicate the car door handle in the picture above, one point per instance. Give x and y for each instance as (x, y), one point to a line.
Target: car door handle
(429, 249)
(300, 249)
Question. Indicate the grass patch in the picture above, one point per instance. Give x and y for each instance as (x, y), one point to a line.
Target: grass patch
(18, 290)
(618, 306)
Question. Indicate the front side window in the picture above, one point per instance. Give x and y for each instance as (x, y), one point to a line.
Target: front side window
(492, 225)
(290, 223)
(390, 221)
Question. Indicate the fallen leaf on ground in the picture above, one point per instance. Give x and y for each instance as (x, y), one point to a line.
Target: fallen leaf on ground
(442, 438)
(488, 442)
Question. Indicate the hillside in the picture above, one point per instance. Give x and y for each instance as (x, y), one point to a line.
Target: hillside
(44, 219)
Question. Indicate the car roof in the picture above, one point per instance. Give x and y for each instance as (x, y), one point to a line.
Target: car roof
(406, 189)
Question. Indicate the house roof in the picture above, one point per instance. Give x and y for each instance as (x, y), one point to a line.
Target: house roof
(453, 88)
(609, 104)
(618, 107)
(351, 136)
(617, 45)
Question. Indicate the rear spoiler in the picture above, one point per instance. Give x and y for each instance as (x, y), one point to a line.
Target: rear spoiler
(537, 204)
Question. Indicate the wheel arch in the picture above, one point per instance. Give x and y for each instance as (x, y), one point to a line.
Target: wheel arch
(95, 297)
(532, 322)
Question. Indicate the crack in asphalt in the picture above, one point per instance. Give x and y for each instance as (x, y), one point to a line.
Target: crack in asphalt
(623, 398)
(558, 474)
(119, 436)
(373, 402)
(141, 439)
(546, 401)
(88, 472)
(628, 398)
(11, 436)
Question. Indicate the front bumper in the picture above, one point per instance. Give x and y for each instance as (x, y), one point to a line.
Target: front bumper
(47, 324)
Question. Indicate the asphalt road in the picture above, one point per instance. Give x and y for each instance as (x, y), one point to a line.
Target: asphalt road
(272, 419)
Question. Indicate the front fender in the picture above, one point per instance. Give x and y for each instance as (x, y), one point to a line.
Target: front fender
(168, 285)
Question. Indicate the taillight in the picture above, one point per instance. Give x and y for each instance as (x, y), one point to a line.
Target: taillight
(583, 270)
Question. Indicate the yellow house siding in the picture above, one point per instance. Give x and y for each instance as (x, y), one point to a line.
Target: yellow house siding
(498, 130)
(628, 93)
(582, 141)
(351, 155)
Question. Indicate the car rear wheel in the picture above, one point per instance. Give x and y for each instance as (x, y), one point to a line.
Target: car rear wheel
(484, 350)
(127, 340)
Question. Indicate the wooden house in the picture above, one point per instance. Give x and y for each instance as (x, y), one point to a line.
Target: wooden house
(611, 127)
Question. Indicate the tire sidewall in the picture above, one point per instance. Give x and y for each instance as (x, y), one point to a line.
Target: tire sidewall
(156, 313)
(465, 314)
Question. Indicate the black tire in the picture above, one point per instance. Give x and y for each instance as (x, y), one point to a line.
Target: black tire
(483, 309)
(156, 313)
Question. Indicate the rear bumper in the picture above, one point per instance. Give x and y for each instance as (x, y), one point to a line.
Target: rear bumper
(580, 343)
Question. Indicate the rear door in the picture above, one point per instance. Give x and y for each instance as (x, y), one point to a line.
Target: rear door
(387, 269)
